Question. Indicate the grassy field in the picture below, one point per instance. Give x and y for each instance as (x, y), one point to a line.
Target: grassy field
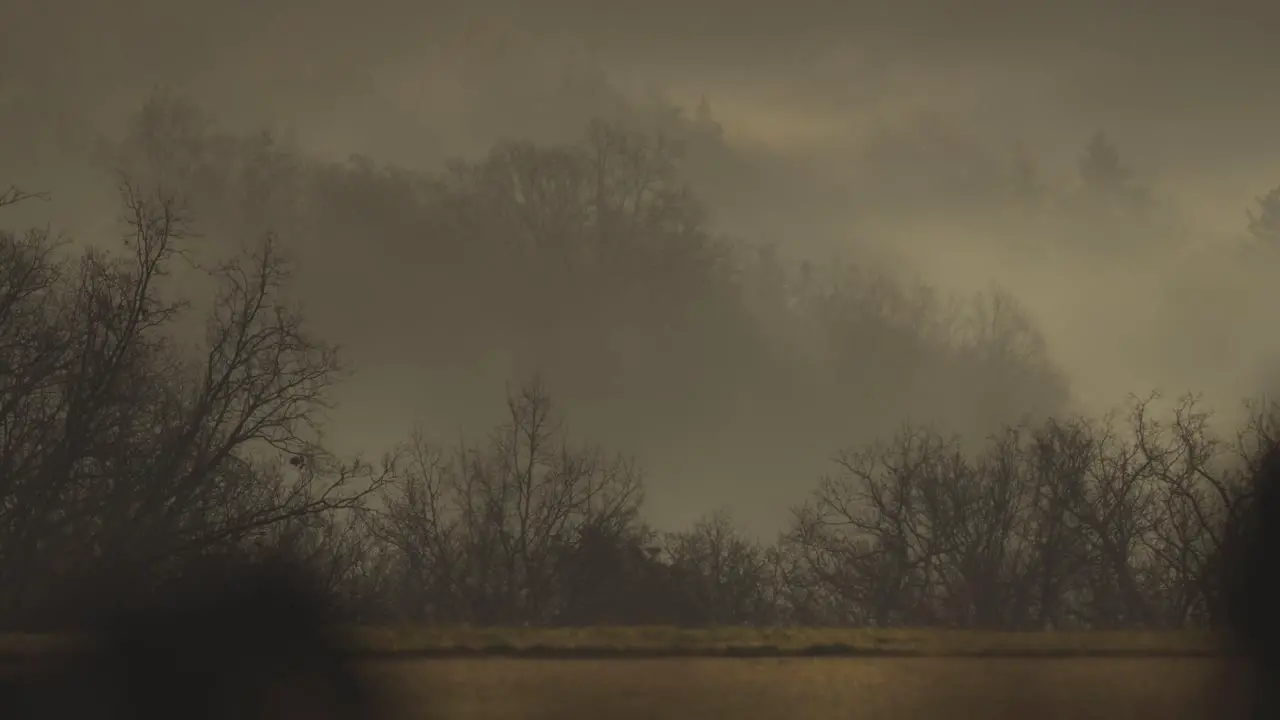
(750, 674)
(770, 642)
(800, 688)
(639, 642)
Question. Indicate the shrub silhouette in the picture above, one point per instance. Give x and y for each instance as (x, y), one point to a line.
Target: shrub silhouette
(1251, 591)
(230, 639)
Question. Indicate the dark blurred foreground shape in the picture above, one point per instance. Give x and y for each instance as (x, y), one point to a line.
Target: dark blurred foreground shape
(1250, 584)
(230, 639)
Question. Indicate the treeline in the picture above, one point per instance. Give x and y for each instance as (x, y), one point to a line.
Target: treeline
(1115, 523)
(127, 452)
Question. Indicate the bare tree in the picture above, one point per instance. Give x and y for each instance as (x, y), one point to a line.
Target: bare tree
(1096, 524)
(13, 195)
(941, 529)
(487, 532)
(872, 534)
(1056, 454)
(724, 574)
(1204, 484)
(124, 451)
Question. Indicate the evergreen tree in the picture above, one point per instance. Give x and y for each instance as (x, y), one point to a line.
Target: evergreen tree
(1264, 225)
(1108, 183)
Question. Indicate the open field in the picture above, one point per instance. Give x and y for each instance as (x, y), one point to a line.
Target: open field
(749, 674)
(637, 642)
(770, 642)
(799, 688)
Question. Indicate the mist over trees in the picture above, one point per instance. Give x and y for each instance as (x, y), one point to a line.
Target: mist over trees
(594, 264)
(965, 490)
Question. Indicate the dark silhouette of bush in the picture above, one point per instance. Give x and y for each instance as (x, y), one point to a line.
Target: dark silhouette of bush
(1251, 590)
(228, 639)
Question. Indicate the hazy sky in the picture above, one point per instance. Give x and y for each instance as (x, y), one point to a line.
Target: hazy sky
(1187, 89)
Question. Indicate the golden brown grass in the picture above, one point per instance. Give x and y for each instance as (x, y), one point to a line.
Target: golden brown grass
(798, 688)
(668, 641)
(894, 673)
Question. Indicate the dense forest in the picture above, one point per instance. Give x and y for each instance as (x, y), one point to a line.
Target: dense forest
(166, 396)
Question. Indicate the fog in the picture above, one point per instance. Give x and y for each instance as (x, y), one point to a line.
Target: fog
(934, 147)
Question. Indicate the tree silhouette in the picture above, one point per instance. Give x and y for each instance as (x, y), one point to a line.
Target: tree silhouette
(1264, 226)
(1108, 183)
(126, 451)
(1100, 166)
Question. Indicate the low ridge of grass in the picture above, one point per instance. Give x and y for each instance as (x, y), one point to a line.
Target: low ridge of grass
(740, 641)
(568, 642)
